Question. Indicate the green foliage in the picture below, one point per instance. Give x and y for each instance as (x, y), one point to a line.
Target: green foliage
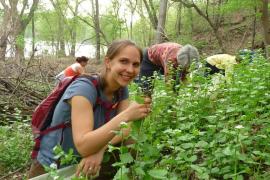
(194, 28)
(191, 24)
(20, 41)
(65, 159)
(142, 31)
(1, 14)
(46, 23)
(158, 173)
(236, 5)
(210, 130)
(113, 26)
(45, 26)
(16, 144)
(9, 115)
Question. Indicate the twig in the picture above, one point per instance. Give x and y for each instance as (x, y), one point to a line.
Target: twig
(17, 170)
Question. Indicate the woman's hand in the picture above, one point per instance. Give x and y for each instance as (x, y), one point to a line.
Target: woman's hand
(90, 165)
(137, 111)
(147, 100)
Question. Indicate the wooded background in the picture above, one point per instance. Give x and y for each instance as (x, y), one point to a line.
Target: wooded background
(211, 25)
(209, 130)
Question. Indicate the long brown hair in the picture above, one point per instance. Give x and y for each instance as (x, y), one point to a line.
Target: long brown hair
(114, 49)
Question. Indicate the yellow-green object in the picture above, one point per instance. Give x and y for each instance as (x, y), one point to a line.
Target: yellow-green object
(139, 99)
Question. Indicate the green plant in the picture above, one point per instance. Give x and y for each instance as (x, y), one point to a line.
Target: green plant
(16, 144)
(193, 134)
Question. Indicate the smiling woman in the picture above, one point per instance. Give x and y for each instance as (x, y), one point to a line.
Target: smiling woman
(126, 68)
(85, 105)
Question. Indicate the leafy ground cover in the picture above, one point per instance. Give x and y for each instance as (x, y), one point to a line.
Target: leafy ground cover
(211, 129)
(15, 147)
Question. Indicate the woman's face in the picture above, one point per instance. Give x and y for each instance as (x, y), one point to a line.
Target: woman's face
(124, 67)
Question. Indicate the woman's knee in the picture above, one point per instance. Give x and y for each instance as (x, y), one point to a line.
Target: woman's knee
(36, 169)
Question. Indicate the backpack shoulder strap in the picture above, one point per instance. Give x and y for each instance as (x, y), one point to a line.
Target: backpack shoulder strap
(93, 78)
(107, 105)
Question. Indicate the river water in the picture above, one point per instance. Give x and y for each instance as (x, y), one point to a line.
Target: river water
(44, 48)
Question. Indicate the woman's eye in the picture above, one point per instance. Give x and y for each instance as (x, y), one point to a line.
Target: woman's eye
(124, 61)
(136, 64)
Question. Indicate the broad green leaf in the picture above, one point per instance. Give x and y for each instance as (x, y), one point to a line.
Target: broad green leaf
(192, 158)
(202, 144)
(187, 145)
(126, 158)
(139, 171)
(122, 174)
(227, 151)
(158, 173)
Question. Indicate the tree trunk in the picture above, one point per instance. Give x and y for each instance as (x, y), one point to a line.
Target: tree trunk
(61, 7)
(74, 30)
(153, 10)
(214, 24)
(254, 28)
(20, 21)
(33, 38)
(160, 33)
(151, 14)
(61, 39)
(190, 14)
(4, 32)
(3, 48)
(132, 8)
(19, 41)
(60, 50)
(178, 20)
(219, 39)
(143, 20)
(266, 26)
(73, 44)
(95, 7)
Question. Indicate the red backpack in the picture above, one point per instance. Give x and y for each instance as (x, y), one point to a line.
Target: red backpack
(42, 116)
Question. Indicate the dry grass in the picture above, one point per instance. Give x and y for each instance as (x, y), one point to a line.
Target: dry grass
(40, 68)
(25, 84)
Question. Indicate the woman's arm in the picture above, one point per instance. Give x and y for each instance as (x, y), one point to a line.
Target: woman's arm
(80, 69)
(89, 141)
(122, 106)
(91, 164)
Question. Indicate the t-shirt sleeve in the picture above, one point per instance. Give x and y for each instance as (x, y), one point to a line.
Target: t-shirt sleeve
(76, 66)
(81, 87)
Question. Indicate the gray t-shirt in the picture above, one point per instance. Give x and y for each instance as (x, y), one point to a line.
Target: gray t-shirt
(80, 87)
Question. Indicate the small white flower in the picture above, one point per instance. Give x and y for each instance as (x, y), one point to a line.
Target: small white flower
(239, 127)
(56, 177)
(53, 166)
(123, 123)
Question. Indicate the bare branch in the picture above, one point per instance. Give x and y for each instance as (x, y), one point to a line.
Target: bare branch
(88, 23)
(23, 8)
(4, 4)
